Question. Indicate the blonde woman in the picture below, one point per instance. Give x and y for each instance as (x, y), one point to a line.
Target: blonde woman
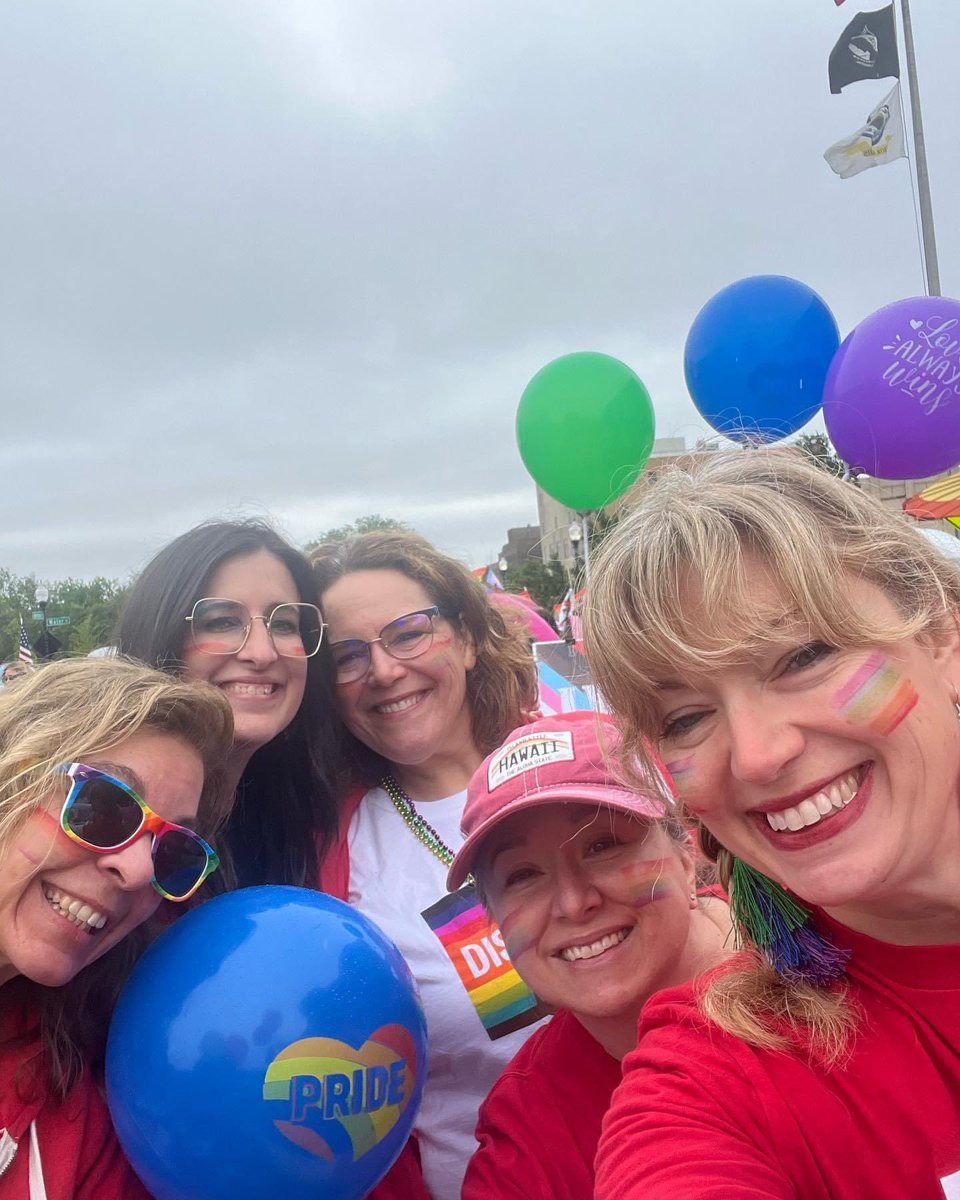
(109, 785)
(794, 652)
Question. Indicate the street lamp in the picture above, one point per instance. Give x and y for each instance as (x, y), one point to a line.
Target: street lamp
(41, 596)
(503, 564)
(577, 533)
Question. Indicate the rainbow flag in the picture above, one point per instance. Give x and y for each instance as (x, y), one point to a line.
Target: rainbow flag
(474, 945)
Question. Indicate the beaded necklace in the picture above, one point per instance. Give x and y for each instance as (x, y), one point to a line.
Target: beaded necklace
(421, 829)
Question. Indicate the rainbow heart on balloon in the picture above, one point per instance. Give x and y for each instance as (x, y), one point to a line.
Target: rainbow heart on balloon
(333, 1099)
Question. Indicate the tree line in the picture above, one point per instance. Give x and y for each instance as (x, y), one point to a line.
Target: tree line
(93, 606)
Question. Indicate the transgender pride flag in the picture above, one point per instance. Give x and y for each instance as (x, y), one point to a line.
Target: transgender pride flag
(564, 677)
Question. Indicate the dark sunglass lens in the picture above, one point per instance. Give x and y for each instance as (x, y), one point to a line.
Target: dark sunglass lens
(179, 862)
(219, 626)
(407, 636)
(103, 814)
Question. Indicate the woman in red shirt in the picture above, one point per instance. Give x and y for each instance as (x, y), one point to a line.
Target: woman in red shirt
(85, 746)
(593, 886)
(794, 651)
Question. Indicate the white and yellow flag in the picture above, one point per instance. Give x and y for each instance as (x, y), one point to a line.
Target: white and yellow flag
(879, 141)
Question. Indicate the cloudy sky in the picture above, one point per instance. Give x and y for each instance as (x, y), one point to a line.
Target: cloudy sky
(302, 256)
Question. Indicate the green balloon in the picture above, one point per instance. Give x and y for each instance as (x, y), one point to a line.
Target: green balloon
(585, 429)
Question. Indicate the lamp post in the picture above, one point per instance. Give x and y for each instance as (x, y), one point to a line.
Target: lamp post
(41, 596)
(577, 533)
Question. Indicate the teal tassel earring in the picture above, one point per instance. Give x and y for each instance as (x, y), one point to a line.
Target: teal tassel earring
(779, 928)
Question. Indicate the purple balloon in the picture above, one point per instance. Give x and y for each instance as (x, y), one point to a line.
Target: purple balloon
(891, 401)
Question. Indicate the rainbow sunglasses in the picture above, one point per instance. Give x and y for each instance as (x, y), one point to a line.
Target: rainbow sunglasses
(105, 814)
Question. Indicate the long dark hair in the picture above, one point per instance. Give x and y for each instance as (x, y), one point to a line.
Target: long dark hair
(285, 811)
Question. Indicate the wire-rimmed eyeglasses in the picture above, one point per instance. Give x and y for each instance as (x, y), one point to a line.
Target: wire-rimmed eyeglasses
(408, 636)
(221, 626)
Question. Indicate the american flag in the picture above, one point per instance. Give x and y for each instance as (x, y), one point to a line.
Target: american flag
(26, 654)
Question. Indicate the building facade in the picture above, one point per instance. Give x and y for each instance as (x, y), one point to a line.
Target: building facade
(522, 545)
(556, 520)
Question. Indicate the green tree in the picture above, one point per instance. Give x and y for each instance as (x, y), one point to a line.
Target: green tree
(546, 582)
(93, 607)
(340, 533)
(818, 449)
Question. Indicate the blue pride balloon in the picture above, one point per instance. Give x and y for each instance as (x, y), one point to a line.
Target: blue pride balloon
(757, 356)
(270, 1043)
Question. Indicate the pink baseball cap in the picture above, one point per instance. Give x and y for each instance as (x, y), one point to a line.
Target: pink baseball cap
(569, 757)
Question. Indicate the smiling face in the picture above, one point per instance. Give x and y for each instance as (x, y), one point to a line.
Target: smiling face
(833, 771)
(265, 690)
(594, 906)
(412, 710)
(63, 906)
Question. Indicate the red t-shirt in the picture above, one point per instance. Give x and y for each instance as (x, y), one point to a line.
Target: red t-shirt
(702, 1116)
(539, 1127)
(80, 1156)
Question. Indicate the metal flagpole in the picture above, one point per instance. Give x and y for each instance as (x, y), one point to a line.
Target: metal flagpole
(929, 238)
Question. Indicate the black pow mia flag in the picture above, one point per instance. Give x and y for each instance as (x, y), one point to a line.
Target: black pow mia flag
(867, 49)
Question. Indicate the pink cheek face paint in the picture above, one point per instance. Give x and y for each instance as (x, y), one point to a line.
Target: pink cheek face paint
(45, 823)
(644, 881)
(876, 696)
(518, 933)
(681, 772)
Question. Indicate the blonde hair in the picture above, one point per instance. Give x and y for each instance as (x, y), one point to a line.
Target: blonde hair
(812, 532)
(65, 712)
(502, 686)
(75, 708)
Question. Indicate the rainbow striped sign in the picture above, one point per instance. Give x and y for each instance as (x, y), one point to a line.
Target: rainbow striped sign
(474, 945)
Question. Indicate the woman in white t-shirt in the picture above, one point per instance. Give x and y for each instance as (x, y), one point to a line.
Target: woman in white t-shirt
(429, 679)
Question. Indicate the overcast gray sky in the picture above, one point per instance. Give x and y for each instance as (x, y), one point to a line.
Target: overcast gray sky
(302, 256)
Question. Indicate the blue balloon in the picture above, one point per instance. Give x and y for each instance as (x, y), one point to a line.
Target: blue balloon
(757, 356)
(270, 1043)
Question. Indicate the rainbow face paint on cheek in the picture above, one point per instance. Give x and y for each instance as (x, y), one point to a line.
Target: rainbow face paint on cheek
(518, 933)
(876, 696)
(46, 823)
(644, 881)
(681, 771)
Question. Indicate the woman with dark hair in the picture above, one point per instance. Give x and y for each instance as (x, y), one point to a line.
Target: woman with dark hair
(233, 604)
(429, 679)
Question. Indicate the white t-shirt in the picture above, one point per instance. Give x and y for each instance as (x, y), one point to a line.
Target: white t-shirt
(393, 878)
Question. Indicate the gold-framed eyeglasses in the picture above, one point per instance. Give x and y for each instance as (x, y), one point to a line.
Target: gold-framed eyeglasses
(221, 626)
